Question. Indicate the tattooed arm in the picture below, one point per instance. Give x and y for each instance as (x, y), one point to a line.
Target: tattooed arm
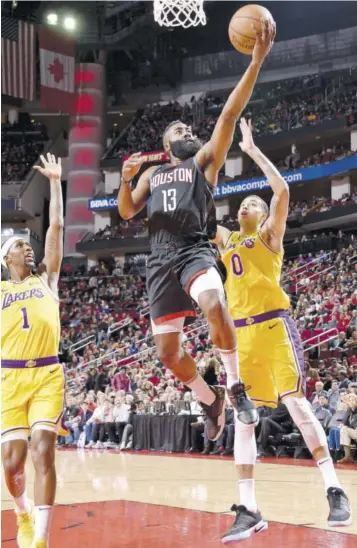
(274, 228)
(54, 238)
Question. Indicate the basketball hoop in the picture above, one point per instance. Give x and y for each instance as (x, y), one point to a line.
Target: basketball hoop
(179, 13)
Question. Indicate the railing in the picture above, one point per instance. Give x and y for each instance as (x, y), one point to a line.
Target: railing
(331, 334)
(117, 140)
(82, 343)
(306, 266)
(128, 321)
(352, 260)
(318, 274)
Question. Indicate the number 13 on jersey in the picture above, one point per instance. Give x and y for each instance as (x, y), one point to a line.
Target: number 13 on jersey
(169, 199)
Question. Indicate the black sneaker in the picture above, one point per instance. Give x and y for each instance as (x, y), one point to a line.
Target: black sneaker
(215, 413)
(340, 511)
(246, 410)
(245, 525)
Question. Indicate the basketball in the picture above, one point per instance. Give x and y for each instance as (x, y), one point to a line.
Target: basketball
(241, 34)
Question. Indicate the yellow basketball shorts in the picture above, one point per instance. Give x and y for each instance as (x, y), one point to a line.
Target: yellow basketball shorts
(271, 357)
(31, 398)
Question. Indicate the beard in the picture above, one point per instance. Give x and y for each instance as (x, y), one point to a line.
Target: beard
(183, 150)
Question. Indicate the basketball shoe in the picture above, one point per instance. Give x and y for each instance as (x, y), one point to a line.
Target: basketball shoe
(215, 413)
(340, 510)
(25, 528)
(246, 410)
(245, 525)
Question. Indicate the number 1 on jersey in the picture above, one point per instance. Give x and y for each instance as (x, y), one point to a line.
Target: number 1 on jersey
(169, 198)
(25, 323)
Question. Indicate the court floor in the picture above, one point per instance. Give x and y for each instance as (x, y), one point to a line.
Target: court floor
(109, 499)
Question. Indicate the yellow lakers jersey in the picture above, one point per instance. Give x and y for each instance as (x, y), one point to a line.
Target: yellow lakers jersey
(253, 276)
(30, 323)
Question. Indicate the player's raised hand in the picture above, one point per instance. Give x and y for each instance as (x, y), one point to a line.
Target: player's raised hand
(264, 40)
(247, 143)
(132, 166)
(52, 168)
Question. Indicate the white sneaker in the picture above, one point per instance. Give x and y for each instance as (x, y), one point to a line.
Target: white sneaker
(98, 445)
(111, 445)
(90, 444)
(122, 446)
(129, 446)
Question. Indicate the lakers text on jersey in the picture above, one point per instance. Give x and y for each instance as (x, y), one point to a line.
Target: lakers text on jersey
(32, 379)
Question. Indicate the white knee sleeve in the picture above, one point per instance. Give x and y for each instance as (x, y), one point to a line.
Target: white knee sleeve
(245, 445)
(303, 416)
(206, 281)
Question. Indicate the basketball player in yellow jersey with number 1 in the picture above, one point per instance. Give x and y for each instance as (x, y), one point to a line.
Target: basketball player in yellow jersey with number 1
(32, 388)
(269, 346)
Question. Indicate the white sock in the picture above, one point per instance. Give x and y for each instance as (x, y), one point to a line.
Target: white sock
(201, 389)
(231, 365)
(22, 503)
(328, 472)
(247, 494)
(42, 521)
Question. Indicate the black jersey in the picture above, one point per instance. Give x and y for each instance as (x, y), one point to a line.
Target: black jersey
(181, 208)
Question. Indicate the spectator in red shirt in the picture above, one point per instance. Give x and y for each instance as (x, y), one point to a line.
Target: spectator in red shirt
(311, 380)
(121, 381)
(154, 379)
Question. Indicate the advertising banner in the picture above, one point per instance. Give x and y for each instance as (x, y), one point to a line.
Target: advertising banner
(291, 177)
(156, 156)
(101, 204)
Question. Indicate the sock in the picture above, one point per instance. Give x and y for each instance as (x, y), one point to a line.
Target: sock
(42, 521)
(201, 389)
(247, 494)
(22, 503)
(231, 365)
(328, 473)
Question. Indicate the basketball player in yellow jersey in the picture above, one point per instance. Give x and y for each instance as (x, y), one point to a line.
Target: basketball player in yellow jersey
(269, 346)
(32, 388)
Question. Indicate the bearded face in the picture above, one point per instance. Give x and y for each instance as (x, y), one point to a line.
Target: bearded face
(180, 143)
(185, 148)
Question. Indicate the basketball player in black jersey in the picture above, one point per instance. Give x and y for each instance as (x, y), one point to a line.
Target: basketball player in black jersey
(182, 266)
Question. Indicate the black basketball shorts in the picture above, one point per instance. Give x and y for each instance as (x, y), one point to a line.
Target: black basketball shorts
(170, 272)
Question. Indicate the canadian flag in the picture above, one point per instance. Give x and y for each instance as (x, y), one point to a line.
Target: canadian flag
(57, 64)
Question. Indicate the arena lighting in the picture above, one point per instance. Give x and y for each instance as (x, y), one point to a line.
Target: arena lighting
(52, 18)
(69, 23)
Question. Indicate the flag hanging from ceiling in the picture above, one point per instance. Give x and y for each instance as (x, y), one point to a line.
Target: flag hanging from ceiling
(57, 67)
(18, 69)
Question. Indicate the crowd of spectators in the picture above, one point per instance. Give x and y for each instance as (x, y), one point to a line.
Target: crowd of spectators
(132, 228)
(21, 146)
(113, 372)
(282, 106)
(302, 208)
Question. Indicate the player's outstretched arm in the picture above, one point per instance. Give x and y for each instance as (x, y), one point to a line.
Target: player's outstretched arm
(222, 236)
(52, 169)
(212, 156)
(131, 202)
(274, 228)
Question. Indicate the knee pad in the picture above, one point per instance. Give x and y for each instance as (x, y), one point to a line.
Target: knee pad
(205, 282)
(245, 446)
(303, 416)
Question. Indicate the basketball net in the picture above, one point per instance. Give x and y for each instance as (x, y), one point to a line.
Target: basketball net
(179, 13)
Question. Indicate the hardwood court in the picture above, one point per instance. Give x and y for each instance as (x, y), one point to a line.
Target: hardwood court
(109, 499)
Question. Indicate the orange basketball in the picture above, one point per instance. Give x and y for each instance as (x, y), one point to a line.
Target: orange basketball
(241, 34)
